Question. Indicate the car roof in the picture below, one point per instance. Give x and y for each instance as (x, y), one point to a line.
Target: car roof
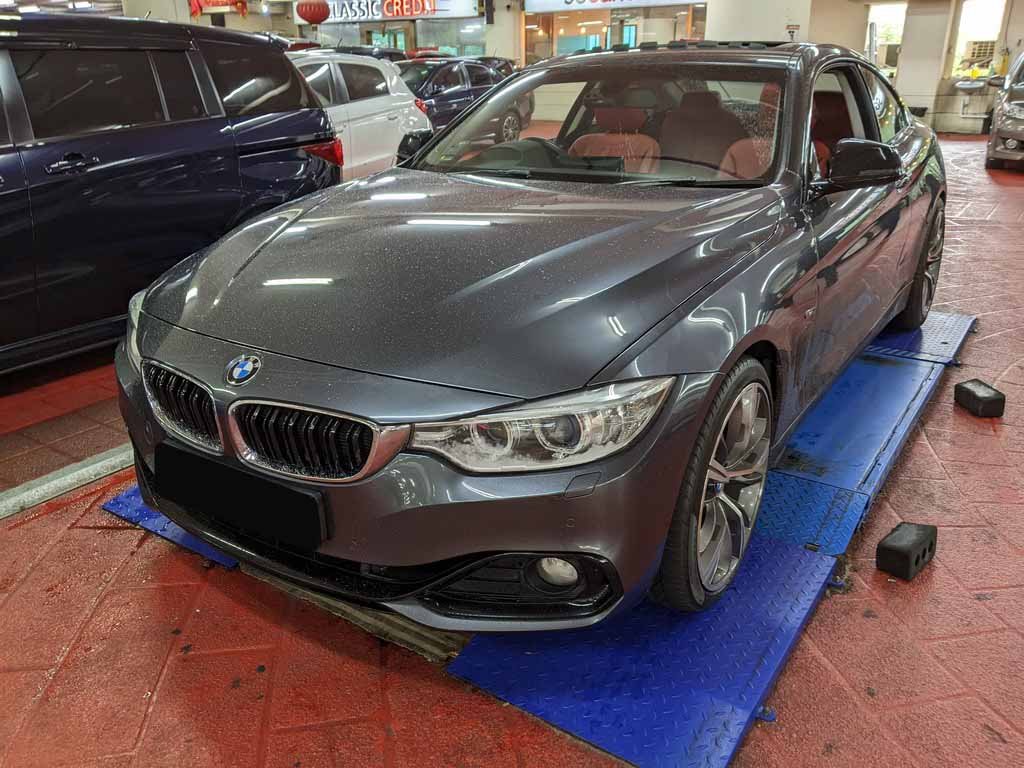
(755, 53)
(114, 30)
(314, 54)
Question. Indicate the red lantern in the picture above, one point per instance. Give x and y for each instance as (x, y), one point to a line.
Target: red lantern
(314, 11)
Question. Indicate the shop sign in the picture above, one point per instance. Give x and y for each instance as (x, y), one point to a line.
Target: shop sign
(382, 10)
(553, 6)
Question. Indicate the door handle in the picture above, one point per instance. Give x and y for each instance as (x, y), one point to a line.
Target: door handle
(72, 161)
(392, 117)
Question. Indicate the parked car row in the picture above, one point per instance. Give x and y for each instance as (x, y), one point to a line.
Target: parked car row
(125, 146)
(1006, 139)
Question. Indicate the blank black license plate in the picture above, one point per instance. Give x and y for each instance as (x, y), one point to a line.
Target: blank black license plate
(269, 511)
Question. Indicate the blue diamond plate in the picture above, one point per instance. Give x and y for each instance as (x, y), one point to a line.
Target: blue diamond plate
(656, 687)
(854, 434)
(802, 512)
(130, 506)
(937, 341)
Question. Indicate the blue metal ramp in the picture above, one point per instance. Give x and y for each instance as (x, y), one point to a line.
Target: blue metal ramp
(939, 340)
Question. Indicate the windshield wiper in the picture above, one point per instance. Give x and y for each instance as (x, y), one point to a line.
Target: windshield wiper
(742, 183)
(508, 173)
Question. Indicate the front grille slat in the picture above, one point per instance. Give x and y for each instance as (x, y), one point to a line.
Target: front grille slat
(305, 443)
(183, 406)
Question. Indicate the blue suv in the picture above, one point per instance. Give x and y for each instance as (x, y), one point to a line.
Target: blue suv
(126, 146)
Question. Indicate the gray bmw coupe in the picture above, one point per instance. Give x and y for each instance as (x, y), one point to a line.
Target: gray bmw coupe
(521, 382)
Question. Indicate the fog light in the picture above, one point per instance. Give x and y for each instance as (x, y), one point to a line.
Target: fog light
(557, 572)
(1011, 143)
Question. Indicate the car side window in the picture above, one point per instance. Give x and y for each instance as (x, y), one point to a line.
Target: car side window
(319, 77)
(887, 108)
(255, 79)
(178, 84)
(75, 92)
(834, 116)
(363, 82)
(448, 79)
(479, 77)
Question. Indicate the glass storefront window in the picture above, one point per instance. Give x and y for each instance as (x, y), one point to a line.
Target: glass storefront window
(554, 34)
(459, 37)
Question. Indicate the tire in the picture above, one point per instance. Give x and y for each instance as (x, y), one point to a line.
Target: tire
(690, 577)
(510, 127)
(926, 277)
(994, 163)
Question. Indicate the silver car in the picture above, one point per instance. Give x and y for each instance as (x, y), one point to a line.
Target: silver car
(1006, 141)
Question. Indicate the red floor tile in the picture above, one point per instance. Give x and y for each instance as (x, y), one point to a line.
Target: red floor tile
(18, 692)
(32, 465)
(158, 562)
(58, 594)
(960, 732)
(92, 441)
(58, 429)
(120, 652)
(207, 711)
(991, 666)
(347, 745)
(933, 502)
(876, 654)
(236, 611)
(980, 558)
(1007, 521)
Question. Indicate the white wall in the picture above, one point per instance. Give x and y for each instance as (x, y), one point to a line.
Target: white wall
(757, 19)
(926, 38)
(842, 22)
(505, 36)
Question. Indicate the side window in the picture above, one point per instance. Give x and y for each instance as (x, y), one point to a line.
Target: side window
(178, 83)
(319, 78)
(834, 116)
(255, 79)
(887, 109)
(479, 77)
(363, 82)
(72, 92)
(449, 78)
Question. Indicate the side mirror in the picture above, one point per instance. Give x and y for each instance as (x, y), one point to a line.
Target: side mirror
(858, 163)
(998, 81)
(412, 143)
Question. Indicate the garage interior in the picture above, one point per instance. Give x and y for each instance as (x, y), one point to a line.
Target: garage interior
(126, 641)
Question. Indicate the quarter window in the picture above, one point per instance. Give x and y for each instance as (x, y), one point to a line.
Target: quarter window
(320, 80)
(479, 77)
(255, 79)
(178, 83)
(363, 82)
(886, 107)
(73, 92)
(447, 79)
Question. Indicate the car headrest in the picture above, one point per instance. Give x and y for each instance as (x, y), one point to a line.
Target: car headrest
(770, 94)
(619, 119)
(700, 101)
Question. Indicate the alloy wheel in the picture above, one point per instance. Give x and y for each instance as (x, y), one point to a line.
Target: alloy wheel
(733, 487)
(510, 128)
(933, 260)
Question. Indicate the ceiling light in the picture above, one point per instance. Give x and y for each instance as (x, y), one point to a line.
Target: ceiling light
(28, 8)
(449, 222)
(299, 281)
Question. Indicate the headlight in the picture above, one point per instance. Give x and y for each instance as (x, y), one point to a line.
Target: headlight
(132, 342)
(1016, 111)
(559, 432)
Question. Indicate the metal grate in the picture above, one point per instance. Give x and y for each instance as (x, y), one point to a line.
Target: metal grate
(183, 406)
(303, 443)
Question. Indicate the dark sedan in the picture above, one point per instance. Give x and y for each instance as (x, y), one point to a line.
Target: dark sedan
(449, 86)
(522, 384)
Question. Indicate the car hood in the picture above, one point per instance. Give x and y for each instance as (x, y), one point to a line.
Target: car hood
(515, 288)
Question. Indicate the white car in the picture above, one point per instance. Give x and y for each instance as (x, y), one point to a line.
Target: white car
(371, 107)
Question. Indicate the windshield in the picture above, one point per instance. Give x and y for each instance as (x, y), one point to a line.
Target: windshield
(677, 123)
(415, 72)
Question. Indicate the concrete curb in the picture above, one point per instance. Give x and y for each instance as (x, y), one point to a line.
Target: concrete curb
(64, 480)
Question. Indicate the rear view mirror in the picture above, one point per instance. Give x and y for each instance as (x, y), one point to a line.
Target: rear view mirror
(412, 143)
(997, 81)
(858, 163)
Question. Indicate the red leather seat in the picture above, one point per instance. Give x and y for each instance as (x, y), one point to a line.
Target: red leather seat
(620, 137)
(830, 122)
(701, 130)
(751, 158)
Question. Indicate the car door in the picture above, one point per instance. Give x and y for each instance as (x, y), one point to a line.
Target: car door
(910, 200)
(375, 122)
(448, 94)
(481, 79)
(858, 232)
(18, 315)
(324, 77)
(129, 170)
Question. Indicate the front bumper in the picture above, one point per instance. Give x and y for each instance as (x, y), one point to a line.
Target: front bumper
(1006, 129)
(410, 535)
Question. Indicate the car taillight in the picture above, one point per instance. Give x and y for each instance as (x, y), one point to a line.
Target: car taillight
(330, 151)
(421, 105)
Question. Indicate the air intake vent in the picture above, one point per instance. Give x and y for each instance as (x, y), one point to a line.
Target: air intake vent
(303, 443)
(182, 406)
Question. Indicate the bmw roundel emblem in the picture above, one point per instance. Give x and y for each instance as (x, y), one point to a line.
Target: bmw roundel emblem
(242, 369)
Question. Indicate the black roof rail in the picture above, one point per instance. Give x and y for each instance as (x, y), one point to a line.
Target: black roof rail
(621, 47)
(648, 45)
